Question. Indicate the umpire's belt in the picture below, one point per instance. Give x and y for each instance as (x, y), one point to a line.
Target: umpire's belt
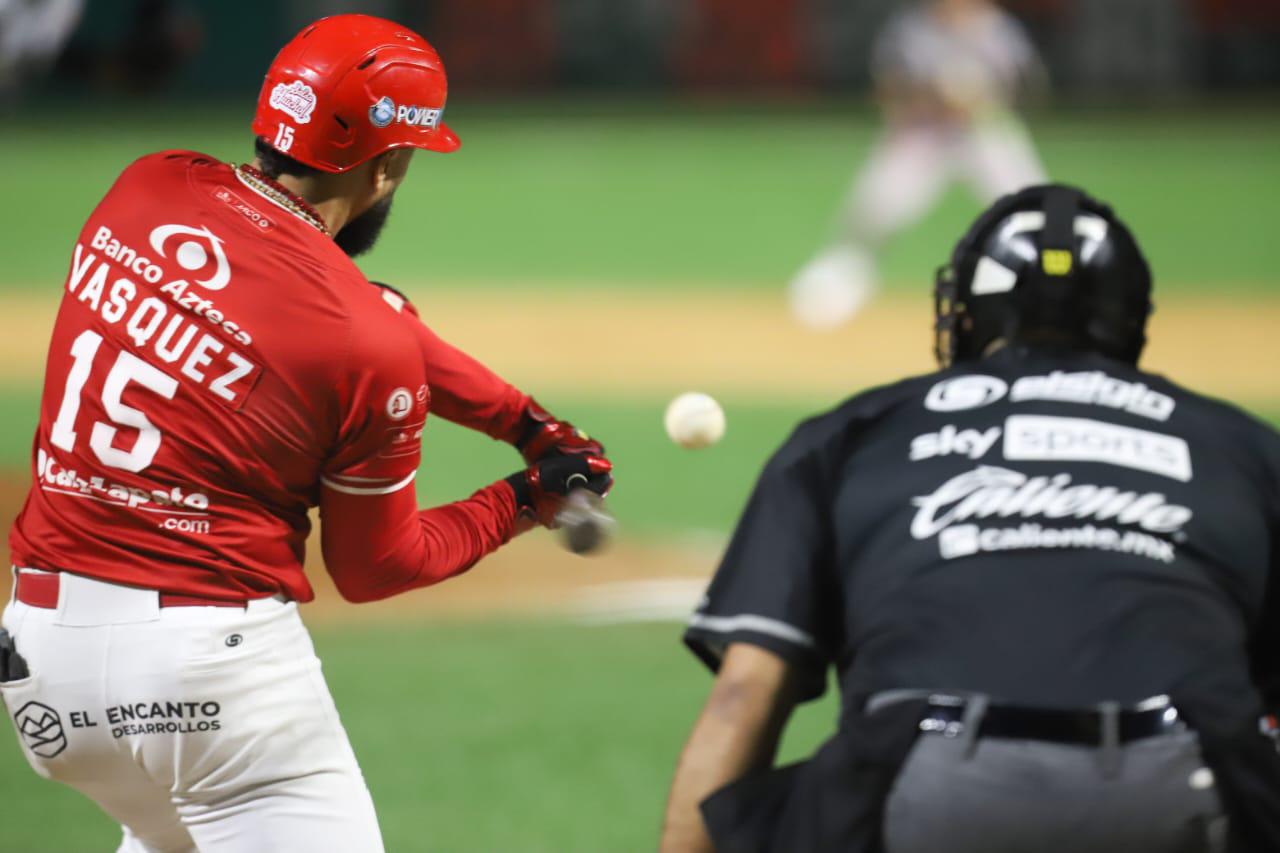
(946, 715)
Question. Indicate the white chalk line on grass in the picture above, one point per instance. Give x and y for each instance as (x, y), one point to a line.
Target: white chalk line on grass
(656, 600)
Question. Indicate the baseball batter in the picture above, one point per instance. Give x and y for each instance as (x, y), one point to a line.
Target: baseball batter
(218, 367)
(947, 74)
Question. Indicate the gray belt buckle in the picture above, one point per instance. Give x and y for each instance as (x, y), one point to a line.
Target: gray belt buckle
(951, 729)
(1170, 717)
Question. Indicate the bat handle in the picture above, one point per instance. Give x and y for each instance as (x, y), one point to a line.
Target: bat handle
(584, 523)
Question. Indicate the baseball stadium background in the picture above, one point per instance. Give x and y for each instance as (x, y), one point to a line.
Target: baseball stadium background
(638, 180)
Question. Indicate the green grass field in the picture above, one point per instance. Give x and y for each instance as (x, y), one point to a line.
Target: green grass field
(652, 196)
(540, 735)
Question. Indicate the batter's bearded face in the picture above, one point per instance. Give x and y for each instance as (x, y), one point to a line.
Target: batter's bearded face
(360, 234)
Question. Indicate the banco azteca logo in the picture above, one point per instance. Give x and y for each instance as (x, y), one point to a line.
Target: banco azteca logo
(201, 250)
(41, 729)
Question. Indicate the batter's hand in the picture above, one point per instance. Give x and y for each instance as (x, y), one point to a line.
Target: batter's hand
(541, 489)
(546, 437)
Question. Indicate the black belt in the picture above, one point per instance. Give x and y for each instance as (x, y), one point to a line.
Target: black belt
(1059, 726)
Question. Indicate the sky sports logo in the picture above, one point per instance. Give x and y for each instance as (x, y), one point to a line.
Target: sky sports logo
(1046, 439)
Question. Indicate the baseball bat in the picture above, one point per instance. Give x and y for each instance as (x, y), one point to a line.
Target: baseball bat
(585, 525)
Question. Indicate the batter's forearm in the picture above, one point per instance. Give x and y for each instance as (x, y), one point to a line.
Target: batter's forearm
(377, 547)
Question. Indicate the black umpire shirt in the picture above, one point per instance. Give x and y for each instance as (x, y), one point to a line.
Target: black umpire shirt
(1050, 528)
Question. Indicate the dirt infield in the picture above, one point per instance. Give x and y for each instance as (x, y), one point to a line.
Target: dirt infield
(744, 345)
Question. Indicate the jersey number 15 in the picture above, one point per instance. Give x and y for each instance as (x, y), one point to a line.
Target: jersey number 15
(128, 368)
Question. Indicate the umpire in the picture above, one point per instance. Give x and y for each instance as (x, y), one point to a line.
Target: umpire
(1048, 582)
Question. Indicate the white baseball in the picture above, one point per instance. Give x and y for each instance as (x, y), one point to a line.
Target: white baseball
(694, 420)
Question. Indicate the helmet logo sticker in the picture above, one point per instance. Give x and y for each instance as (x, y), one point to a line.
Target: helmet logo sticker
(1056, 262)
(1090, 228)
(382, 113)
(297, 100)
(991, 276)
(193, 254)
(385, 111)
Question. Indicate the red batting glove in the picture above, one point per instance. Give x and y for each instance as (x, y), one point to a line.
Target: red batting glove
(544, 437)
(541, 489)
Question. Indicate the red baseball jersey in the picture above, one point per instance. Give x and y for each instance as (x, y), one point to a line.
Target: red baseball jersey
(215, 359)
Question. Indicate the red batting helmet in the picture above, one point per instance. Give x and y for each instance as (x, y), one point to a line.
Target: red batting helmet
(350, 87)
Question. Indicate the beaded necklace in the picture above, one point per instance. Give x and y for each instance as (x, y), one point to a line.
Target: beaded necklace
(281, 196)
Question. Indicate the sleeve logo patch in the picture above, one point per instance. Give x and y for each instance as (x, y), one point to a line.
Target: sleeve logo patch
(403, 441)
(399, 404)
(297, 100)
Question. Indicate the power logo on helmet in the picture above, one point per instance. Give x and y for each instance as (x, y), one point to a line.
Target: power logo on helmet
(219, 366)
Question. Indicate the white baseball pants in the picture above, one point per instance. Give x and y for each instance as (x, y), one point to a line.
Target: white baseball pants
(197, 728)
